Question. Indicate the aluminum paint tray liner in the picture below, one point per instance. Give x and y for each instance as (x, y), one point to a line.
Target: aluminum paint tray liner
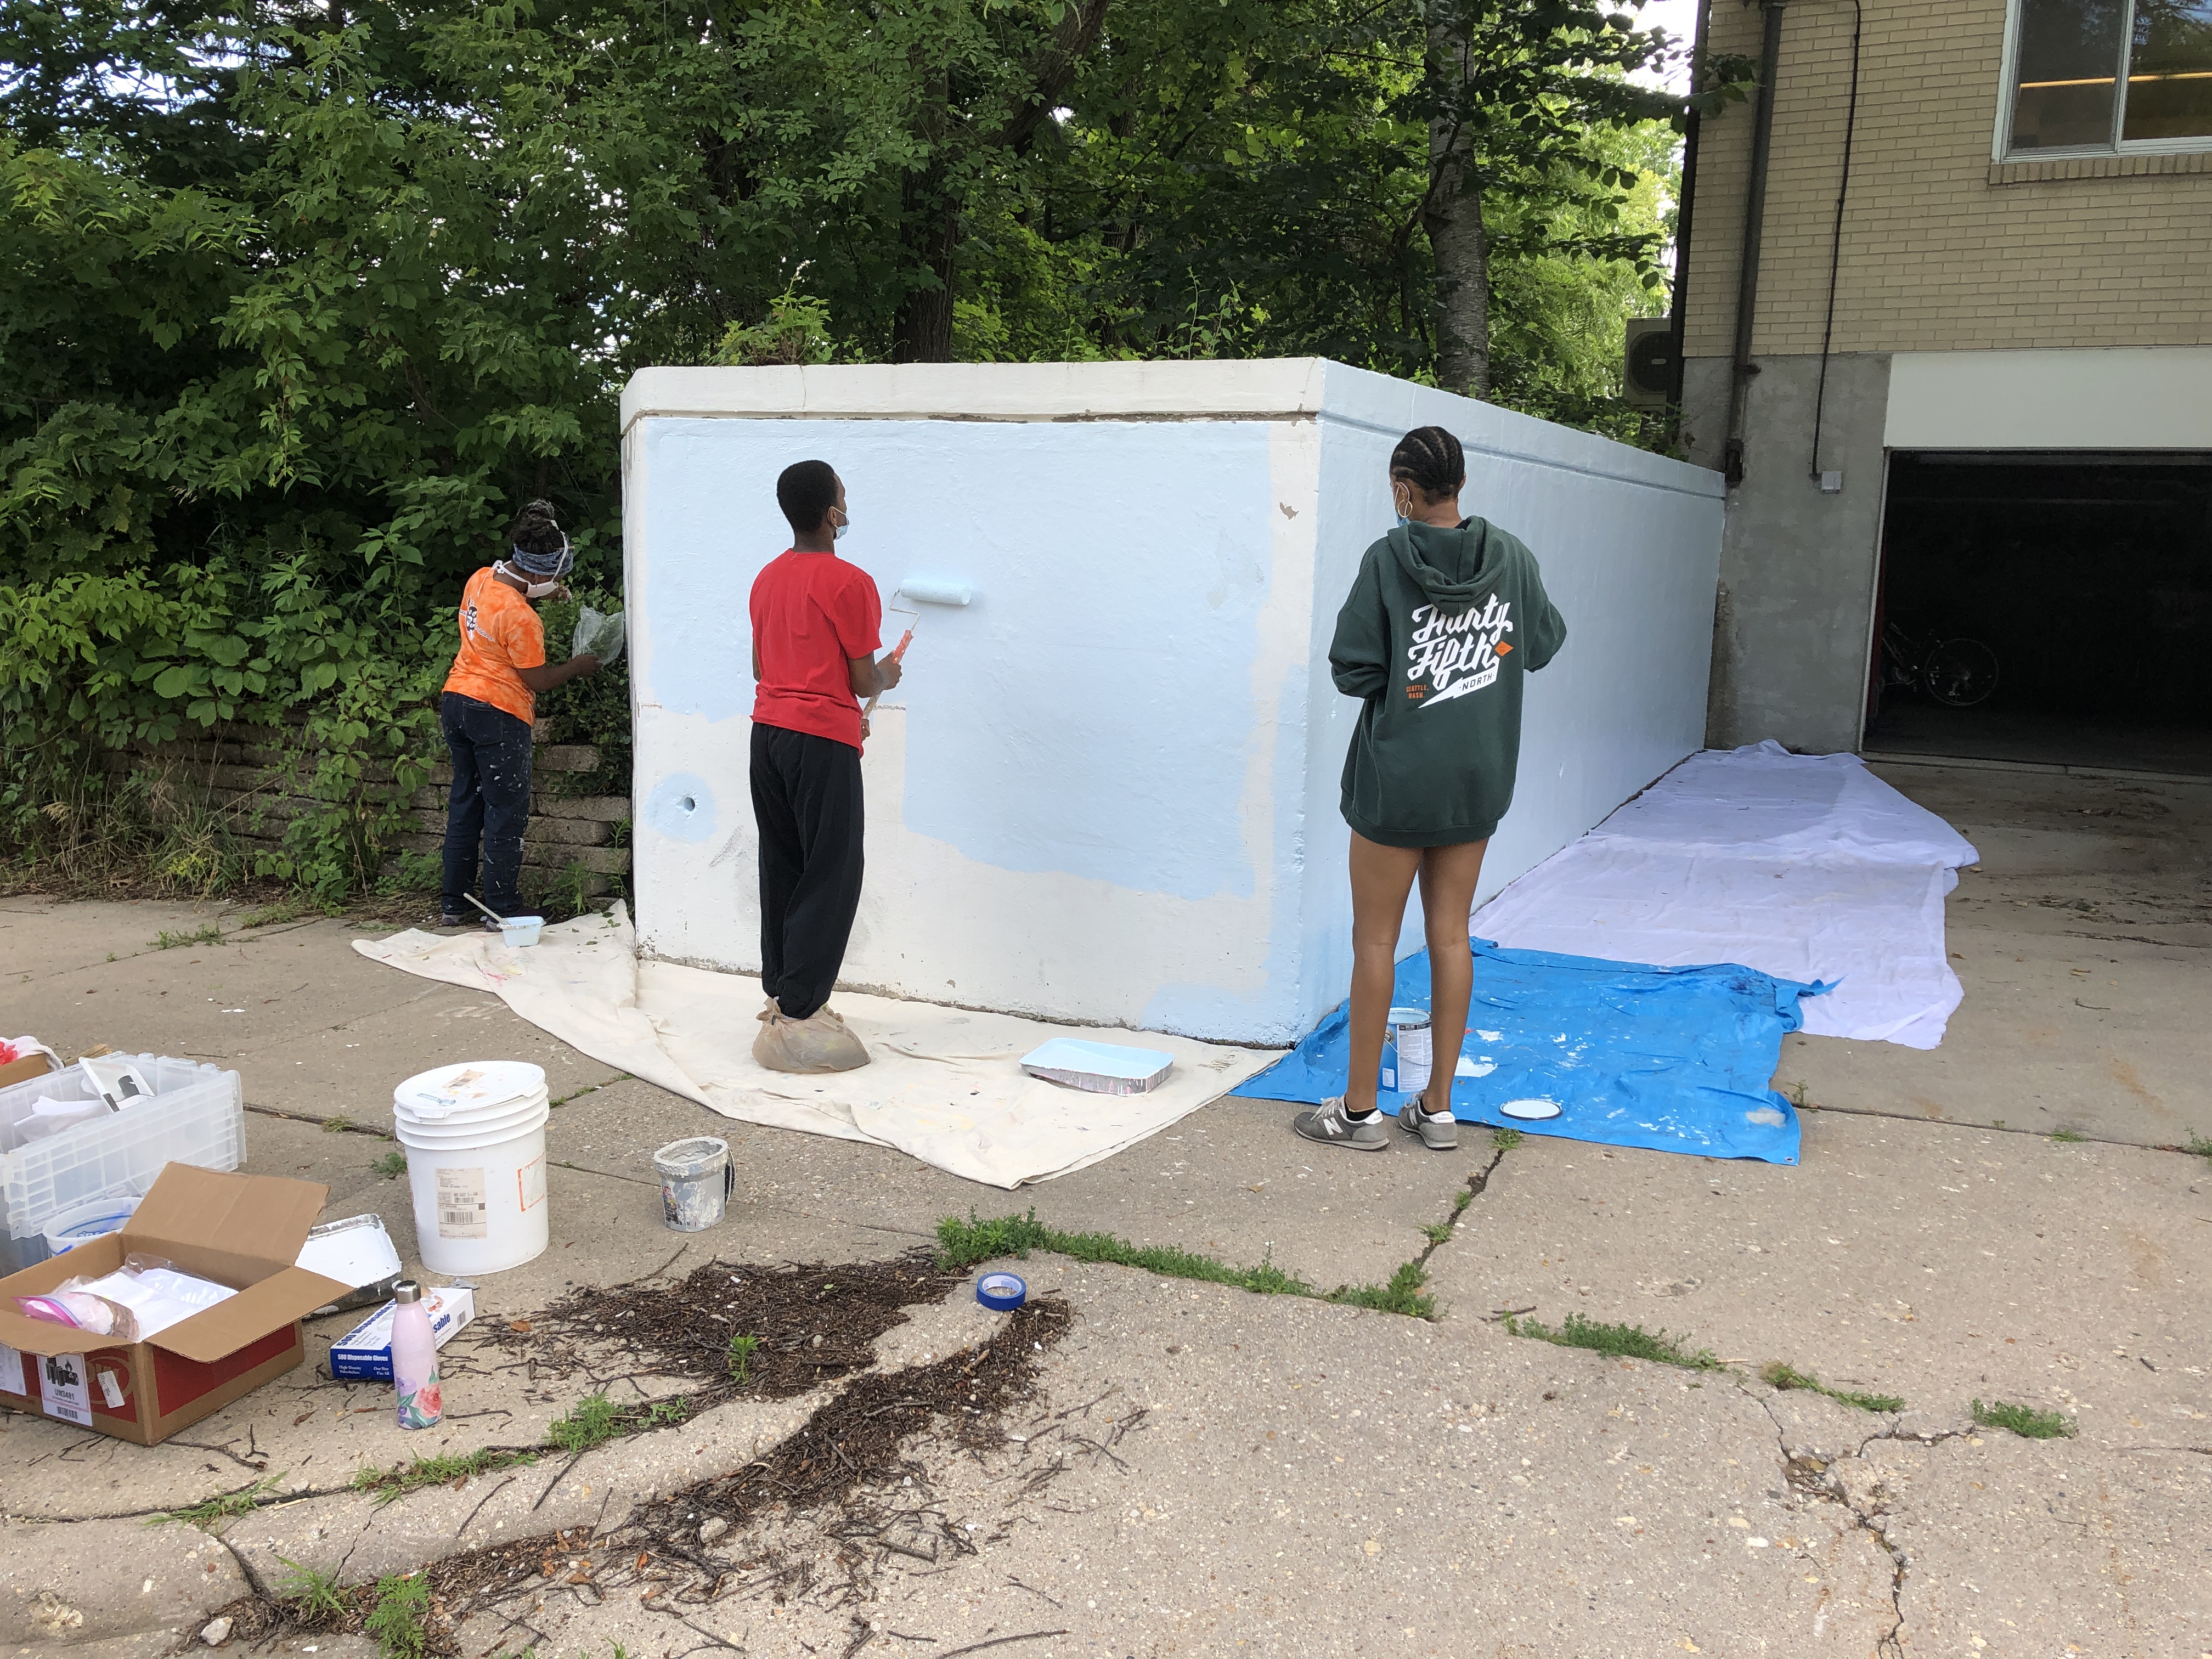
(1102, 1068)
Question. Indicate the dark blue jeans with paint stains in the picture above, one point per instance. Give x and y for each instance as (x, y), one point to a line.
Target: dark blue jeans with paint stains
(490, 803)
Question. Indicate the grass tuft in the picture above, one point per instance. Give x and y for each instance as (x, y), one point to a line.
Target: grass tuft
(2199, 1143)
(2067, 1137)
(391, 1164)
(1623, 1341)
(1436, 1231)
(963, 1244)
(165, 941)
(396, 1482)
(1404, 1294)
(596, 1419)
(1784, 1377)
(284, 909)
(397, 1624)
(2023, 1420)
(223, 1506)
(1506, 1140)
(314, 1597)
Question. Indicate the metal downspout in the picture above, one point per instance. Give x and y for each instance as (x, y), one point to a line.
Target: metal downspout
(1691, 122)
(1755, 224)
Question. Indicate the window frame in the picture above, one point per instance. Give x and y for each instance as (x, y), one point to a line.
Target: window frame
(2001, 148)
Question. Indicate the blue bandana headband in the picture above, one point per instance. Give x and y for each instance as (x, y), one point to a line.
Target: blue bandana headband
(544, 566)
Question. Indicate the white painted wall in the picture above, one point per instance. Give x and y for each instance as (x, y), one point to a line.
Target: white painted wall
(1107, 790)
(2120, 397)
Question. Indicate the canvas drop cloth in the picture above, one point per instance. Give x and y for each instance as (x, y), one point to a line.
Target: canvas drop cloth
(1678, 1059)
(1807, 867)
(945, 1085)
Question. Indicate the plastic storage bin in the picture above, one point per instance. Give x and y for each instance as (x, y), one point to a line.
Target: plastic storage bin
(196, 1114)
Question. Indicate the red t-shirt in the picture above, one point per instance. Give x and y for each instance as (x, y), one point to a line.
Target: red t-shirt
(812, 614)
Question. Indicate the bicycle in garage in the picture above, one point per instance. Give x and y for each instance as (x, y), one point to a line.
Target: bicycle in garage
(1957, 672)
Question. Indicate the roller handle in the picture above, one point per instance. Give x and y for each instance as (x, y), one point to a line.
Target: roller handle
(898, 654)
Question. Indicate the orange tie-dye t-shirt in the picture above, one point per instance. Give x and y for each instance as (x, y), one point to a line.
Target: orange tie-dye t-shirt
(499, 633)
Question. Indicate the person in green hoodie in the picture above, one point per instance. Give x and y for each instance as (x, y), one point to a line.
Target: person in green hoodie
(1446, 615)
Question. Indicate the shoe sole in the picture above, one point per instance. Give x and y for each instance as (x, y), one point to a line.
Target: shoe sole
(1412, 1132)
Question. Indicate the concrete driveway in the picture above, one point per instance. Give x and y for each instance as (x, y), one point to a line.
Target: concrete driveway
(1194, 1468)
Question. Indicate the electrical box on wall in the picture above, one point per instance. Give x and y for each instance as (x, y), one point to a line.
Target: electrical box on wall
(1647, 378)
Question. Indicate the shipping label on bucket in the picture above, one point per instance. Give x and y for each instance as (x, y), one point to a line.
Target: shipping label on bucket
(529, 1183)
(462, 1210)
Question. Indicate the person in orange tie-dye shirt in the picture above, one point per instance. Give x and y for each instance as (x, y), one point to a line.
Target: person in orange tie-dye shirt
(490, 698)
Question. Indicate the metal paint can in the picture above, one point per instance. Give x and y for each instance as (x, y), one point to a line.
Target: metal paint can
(1409, 1036)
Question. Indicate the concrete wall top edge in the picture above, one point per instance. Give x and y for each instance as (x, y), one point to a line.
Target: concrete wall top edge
(1277, 388)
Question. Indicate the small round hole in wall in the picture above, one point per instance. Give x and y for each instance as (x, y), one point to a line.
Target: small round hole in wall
(689, 805)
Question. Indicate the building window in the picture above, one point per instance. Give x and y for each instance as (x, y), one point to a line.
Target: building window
(2110, 75)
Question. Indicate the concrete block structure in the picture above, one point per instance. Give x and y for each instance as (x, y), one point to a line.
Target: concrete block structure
(1107, 791)
(2001, 348)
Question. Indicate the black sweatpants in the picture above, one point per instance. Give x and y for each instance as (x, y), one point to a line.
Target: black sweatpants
(807, 802)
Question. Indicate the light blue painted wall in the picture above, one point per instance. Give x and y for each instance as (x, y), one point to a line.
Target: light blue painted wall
(1090, 713)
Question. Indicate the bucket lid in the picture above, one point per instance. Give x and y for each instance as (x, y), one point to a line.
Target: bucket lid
(696, 1155)
(467, 1089)
(1414, 1017)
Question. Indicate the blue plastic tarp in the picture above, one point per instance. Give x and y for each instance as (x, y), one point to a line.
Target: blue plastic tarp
(1678, 1059)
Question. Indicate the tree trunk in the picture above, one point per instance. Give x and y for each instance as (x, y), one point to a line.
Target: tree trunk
(930, 230)
(1453, 217)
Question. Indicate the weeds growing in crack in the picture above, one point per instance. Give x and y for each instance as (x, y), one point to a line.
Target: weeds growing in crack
(2198, 1144)
(596, 1419)
(223, 1506)
(165, 941)
(1506, 1140)
(314, 1597)
(391, 1164)
(396, 1482)
(2067, 1138)
(1777, 1375)
(2023, 1420)
(399, 1622)
(1622, 1341)
(965, 1244)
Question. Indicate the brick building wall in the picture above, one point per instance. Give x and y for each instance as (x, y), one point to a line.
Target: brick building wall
(1942, 249)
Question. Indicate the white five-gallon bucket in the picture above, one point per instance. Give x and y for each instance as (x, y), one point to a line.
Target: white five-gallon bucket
(474, 1135)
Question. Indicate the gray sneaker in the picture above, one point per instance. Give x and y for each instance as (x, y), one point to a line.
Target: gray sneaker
(1326, 1123)
(1438, 1135)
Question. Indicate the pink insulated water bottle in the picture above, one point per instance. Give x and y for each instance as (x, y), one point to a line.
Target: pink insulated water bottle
(414, 1358)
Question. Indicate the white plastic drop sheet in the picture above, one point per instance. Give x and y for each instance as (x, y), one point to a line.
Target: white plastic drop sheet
(1803, 866)
(943, 1085)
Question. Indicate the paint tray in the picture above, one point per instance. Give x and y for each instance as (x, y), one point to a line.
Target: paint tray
(1101, 1068)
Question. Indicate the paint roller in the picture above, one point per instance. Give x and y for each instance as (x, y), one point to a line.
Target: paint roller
(922, 590)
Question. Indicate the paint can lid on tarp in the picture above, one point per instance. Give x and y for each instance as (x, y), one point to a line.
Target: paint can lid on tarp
(1102, 1068)
(1411, 1019)
(468, 1091)
(1001, 1292)
(1530, 1111)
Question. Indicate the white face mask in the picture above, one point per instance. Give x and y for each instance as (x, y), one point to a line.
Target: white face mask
(532, 590)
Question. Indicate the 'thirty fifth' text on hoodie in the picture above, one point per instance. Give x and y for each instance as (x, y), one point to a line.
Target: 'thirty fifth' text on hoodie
(1439, 626)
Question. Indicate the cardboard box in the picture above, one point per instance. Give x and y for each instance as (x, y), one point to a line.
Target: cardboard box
(240, 1230)
(23, 1070)
(365, 1352)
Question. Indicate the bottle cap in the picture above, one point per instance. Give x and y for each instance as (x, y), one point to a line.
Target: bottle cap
(406, 1291)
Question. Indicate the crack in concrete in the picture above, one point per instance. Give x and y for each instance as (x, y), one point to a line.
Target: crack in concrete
(1812, 1476)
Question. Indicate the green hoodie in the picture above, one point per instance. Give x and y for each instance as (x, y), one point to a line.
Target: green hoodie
(1438, 629)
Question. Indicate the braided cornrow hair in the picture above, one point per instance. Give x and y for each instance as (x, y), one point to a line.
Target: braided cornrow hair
(1429, 458)
(537, 531)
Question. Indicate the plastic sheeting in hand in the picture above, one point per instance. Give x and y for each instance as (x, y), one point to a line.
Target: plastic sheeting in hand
(598, 636)
(1677, 1060)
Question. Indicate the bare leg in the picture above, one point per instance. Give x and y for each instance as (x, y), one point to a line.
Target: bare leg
(1448, 876)
(1381, 877)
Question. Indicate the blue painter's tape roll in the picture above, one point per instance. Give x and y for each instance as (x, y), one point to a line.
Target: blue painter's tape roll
(1001, 1292)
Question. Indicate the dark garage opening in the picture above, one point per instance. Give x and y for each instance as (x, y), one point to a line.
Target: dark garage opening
(2052, 608)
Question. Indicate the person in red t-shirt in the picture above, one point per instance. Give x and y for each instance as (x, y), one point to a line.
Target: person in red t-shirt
(815, 636)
